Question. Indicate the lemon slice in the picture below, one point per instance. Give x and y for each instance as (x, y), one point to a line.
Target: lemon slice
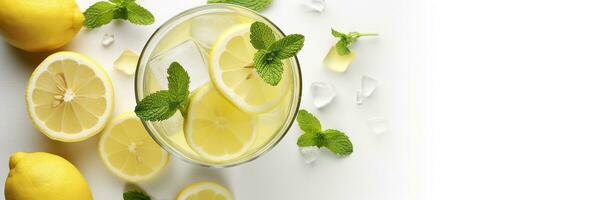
(69, 97)
(205, 191)
(242, 85)
(215, 129)
(128, 151)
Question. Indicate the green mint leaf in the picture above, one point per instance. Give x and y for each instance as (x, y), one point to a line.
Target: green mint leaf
(342, 48)
(139, 15)
(308, 122)
(135, 195)
(156, 107)
(178, 82)
(346, 40)
(257, 5)
(288, 46)
(311, 139)
(268, 67)
(337, 142)
(261, 35)
(99, 14)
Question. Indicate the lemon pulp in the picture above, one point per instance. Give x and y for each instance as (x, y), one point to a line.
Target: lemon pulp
(215, 129)
(129, 152)
(69, 97)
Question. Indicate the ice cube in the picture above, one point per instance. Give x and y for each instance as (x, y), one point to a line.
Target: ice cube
(359, 99)
(108, 39)
(369, 84)
(322, 93)
(378, 125)
(189, 56)
(309, 154)
(314, 5)
(206, 29)
(126, 63)
(336, 62)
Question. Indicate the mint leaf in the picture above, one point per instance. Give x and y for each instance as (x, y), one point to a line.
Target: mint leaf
(139, 15)
(311, 139)
(102, 13)
(288, 46)
(257, 5)
(163, 104)
(346, 40)
(268, 67)
(308, 122)
(178, 82)
(261, 35)
(99, 14)
(156, 107)
(337, 142)
(268, 59)
(135, 195)
(334, 140)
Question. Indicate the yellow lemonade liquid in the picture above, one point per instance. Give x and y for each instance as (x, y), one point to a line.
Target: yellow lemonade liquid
(190, 41)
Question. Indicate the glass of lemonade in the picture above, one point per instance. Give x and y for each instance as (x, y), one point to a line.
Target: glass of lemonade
(232, 116)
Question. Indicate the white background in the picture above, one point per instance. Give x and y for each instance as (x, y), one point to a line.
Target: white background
(486, 100)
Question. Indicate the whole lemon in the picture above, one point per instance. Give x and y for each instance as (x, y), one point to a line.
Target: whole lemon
(39, 25)
(44, 176)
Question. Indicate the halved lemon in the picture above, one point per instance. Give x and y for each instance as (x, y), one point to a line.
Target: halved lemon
(215, 129)
(205, 191)
(129, 152)
(69, 97)
(230, 70)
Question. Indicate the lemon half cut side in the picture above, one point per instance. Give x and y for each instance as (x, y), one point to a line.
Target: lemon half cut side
(69, 97)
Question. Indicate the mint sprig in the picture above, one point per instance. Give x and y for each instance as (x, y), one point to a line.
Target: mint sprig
(162, 104)
(103, 12)
(135, 195)
(257, 5)
(334, 140)
(346, 40)
(268, 59)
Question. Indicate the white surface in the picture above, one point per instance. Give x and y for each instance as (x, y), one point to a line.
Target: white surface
(486, 100)
(382, 167)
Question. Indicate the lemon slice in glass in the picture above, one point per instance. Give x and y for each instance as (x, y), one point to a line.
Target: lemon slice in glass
(69, 97)
(129, 152)
(215, 129)
(230, 68)
(205, 191)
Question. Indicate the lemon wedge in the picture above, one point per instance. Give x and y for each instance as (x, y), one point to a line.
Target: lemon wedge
(69, 97)
(205, 191)
(230, 69)
(129, 152)
(215, 129)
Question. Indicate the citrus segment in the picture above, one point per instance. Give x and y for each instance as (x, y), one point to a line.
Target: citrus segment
(69, 97)
(205, 191)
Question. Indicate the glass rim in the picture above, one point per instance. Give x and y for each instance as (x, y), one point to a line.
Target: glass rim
(278, 136)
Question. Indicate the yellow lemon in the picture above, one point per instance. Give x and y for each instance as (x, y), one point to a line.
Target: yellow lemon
(231, 72)
(69, 97)
(44, 176)
(128, 150)
(205, 191)
(215, 129)
(39, 25)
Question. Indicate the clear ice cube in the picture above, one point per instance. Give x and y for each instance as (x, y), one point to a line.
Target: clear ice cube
(322, 93)
(108, 39)
(189, 56)
(378, 125)
(336, 62)
(314, 5)
(126, 62)
(206, 29)
(309, 154)
(369, 85)
(359, 98)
